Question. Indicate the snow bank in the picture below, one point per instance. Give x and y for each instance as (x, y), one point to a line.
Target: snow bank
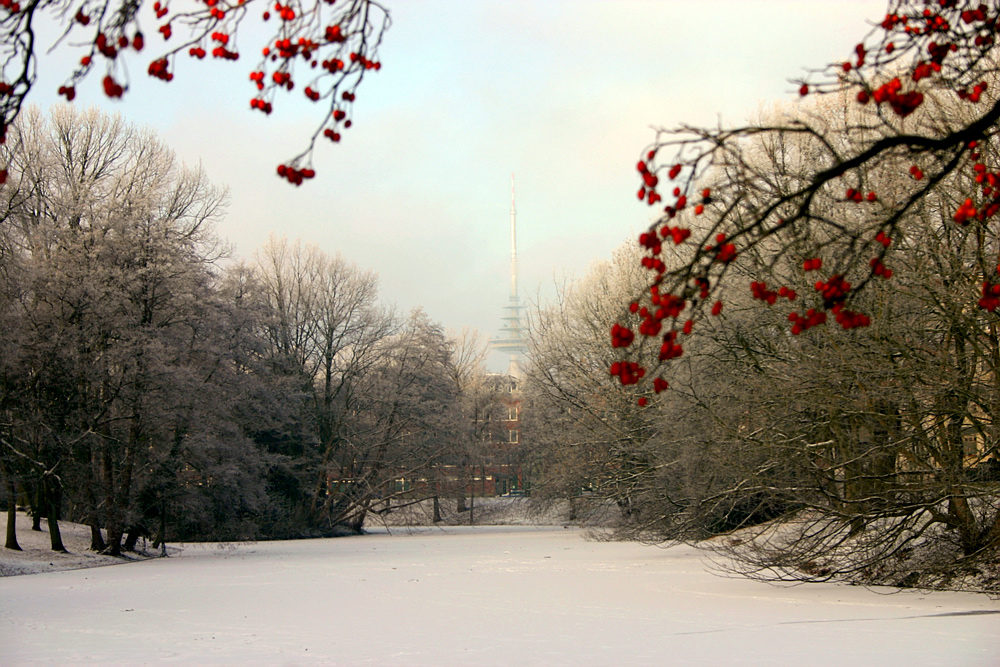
(496, 511)
(36, 553)
(482, 596)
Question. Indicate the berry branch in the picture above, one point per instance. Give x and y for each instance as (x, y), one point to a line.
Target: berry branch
(917, 101)
(335, 42)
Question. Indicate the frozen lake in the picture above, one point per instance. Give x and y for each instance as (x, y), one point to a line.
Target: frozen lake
(474, 596)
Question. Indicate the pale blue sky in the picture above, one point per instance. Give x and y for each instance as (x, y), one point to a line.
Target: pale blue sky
(561, 93)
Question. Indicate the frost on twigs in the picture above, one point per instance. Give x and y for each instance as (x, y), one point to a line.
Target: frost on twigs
(812, 198)
(321, 49)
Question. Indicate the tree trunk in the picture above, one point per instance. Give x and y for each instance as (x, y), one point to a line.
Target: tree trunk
(11, 527)
(114, 546)
(437, 510)
(11, 511)
(161, 532)
(51, 501)
(35, 503)
(93, 518)
(54, 536)
(96, 539)
(134, 533)
(119, 496)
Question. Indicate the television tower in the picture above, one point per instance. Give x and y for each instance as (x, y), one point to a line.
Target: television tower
(512, 332)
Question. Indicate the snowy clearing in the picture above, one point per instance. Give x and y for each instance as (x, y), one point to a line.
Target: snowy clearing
(484, 596)
(36, 553)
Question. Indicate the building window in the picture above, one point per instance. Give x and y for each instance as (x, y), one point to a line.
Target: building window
(970, 445)
(512, 413)
(512, 436)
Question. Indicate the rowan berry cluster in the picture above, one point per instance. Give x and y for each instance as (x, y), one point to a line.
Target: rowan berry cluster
(158, 69)
(834, 291)
(293, 175)
(990, 296)
(879, 269)
(621, 336)
(849, 319)
(670, 349)
(724, 252)
(628, 372)
(760, 292)
(810, 319)
(112, 88)
(858, 196)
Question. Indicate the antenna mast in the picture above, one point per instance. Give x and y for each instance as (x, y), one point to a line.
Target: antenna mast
(512, 333)
(513, 243)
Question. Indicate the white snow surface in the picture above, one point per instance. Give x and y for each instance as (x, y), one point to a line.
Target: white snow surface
(473, 596)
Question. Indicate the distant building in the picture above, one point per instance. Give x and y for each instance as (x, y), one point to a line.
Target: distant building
(505, 444)
(501, 462)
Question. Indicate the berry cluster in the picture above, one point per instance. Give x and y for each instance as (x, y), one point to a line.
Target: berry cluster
(293, 175)
(760, 292)
(112, 88)
(834, 291)
(858, 196)
(879, 269)
(344, 37)
(810, 319)
(628, 372)
(848, 319)
(621, 336)
(991, 296)
(158, 69)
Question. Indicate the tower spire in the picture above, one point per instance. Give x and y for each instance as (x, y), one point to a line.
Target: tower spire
(513, 243)
(512, 334)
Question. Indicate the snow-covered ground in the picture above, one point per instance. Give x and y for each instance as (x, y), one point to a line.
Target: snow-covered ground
(473, 596)
(36, 553)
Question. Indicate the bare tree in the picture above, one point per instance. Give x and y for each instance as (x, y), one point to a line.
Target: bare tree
(406, 423)
(585, 428)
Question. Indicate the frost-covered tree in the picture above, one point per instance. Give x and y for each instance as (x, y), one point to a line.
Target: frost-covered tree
(108, 284)
(407, 420)
(875, 444)
(325, 330)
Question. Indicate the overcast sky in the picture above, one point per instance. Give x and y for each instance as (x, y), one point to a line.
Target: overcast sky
(563, 94)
